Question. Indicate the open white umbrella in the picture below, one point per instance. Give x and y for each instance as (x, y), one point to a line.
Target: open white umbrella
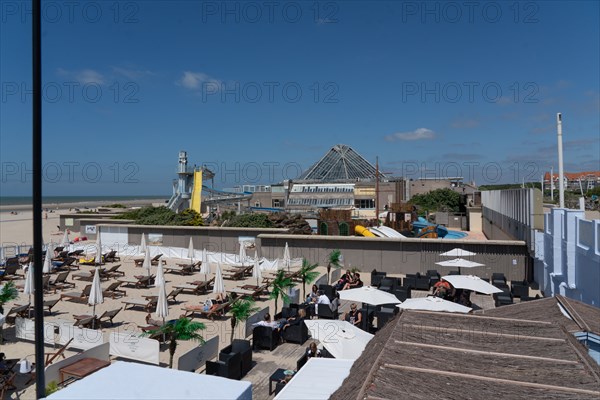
(369, 295)
(162, 305)
(29, 288)
(160, 276)
(219, 286)
(191, 250)
(471, 282)
(431, 303)
(143, 244)
(95, 295)
(47, 268)
(341, 339)
(256, 272)
(458, 253)
(286, 257)
(98, 251)
(460, 263)
(205, 266)
(147, 265)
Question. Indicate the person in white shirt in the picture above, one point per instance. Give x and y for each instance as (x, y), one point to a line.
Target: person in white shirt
(321, 299)
(267, 322)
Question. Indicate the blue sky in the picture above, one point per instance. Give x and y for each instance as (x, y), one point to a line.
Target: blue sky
(431, 88)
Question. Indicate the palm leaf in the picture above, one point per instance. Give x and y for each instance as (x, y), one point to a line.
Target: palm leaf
(8, 292)
(242, 309)
(334, 258)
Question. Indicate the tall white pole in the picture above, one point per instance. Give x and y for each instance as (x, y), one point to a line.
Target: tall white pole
(542, 182)
(561, 177)
(552, 183)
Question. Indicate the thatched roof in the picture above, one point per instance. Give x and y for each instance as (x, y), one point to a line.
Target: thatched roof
(512, 352)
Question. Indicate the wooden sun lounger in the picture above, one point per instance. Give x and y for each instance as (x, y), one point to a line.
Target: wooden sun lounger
(154, 261)
(183, 270)
(113, 290)
(190, 311)
(137, 281)
(77, 296)
(254, 293)
(238, 274)
(147, 305)
(89, 275)
(197, 287)
(17, 311)
(114, 271)
(60, 282)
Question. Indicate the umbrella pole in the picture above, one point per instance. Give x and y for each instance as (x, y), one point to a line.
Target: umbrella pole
(94, 316)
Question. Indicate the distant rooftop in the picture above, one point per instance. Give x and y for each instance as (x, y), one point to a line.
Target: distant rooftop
(341, 163)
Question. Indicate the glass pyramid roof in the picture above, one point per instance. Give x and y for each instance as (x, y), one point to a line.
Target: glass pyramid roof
(340, 163)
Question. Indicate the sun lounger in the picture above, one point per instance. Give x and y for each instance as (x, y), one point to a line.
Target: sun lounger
(83, 321)
(113, 290)
(67, 265)
(154, 261)
(140, 281)
(49, 304)
(107, 316)
(191, 310)
(114, 271)
(171, 296)
(147, 305)
(111, 256)
(10, 273)
(254, 293)
(89, 275)
(78, 296)
(197, 287)
(237, 274)
(181, 269)
(17, 311)
(60, 282)
(89, 261)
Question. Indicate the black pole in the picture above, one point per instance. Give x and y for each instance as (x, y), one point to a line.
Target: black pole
(38, 296)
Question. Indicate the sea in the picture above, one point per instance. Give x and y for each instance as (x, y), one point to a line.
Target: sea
(25, 200)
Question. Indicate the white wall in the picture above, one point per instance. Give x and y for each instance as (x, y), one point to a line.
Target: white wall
(567, 256)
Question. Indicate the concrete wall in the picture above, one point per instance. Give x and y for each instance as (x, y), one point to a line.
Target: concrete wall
(404, 256)
(567, 257)
(475, 219)
(512, 214)
(73, 221)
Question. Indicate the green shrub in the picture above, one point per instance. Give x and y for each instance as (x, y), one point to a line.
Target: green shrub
(162, 216)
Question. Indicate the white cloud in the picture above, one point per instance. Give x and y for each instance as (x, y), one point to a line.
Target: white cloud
(417, 134)
(193, 80)
(131, 73)
(84, 76)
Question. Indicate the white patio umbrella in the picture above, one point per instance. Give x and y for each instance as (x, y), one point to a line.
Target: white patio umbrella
(431, 303)
(98, 251)
(205, 266)
(219, 286)
(191, 250)
(369, 295)
(256, 272)
(47, 268)
(162, 305)
(143, 244)
(342, 339)
(460, 263)
(29, 288)
(458, 253)
(147, 265)
(286, 257)
(95, 295)
(160, 276)
(471, 282)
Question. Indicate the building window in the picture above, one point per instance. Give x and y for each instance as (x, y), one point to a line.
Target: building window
(344, 229)
(276, 203)
(364, 203)
(323, 228)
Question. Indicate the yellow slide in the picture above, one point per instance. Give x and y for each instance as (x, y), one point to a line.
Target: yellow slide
(361, 230)
(197, 191)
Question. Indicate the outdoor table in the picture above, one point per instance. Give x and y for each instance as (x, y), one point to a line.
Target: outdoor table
(82, 368)
(276, 377)
(7, 365)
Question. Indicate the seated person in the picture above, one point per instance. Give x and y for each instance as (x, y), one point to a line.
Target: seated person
(441, 289)
(321, 299)
(153, 322)
(313, 351)
(342, 281)
(267, 322)
(354, 316)
(354, 283)
(297, 320)
(312, 295)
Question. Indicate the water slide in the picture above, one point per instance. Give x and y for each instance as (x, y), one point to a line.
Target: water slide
(422, 223)
(362, 231)
(196, 192)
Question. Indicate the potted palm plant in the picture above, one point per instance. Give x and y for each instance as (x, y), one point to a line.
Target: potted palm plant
(280, 284)
(308, 274)
(8, 292)
(334, 259)
(240, 310)
(180, 329)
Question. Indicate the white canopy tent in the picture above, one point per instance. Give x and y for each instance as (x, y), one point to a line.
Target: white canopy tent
(318, 379)
(125, 380)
